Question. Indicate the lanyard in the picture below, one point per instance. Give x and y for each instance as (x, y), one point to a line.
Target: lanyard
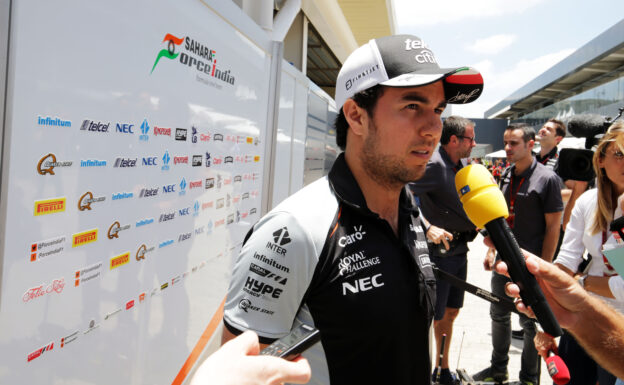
(610, 270)
(512, 196)
(545, 160)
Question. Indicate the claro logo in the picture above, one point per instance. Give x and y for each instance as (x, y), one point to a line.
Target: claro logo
(357, 235)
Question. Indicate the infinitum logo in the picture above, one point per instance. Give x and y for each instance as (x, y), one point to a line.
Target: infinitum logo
(196, 55)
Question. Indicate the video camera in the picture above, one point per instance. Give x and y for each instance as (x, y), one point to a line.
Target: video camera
(576, 164)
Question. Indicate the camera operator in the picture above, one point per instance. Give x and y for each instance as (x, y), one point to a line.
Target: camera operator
(588, 229)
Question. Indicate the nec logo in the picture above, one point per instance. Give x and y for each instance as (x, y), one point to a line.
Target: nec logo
(362, 284)
(185, 211)
(125, 128)
(260, 288)
(151, 161)
(169, 188)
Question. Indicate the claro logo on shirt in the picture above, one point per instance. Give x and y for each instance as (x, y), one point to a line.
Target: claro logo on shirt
(362, 284)
(357, 235)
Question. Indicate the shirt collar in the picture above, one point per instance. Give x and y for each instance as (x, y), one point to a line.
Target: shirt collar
(447, 159)
(527, 173)
(551, 154)
(347, 190)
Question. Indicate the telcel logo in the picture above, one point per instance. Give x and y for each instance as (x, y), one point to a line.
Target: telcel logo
(90, 125)
(125, 128)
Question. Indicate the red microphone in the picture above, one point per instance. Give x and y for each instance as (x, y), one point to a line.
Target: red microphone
(557, 369)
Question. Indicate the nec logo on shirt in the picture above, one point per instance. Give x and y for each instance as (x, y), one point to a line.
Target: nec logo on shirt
(281, 238)
(362, 284)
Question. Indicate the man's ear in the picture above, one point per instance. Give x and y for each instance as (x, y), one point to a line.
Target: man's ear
(558, 139)
(356, 116)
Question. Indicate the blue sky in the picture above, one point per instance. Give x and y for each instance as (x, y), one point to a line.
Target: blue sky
(510, 42)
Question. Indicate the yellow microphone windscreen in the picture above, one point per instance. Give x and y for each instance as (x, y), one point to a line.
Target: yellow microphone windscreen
(480, 196)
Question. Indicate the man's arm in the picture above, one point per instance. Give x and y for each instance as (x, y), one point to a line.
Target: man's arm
(551, 236)
(596, 326)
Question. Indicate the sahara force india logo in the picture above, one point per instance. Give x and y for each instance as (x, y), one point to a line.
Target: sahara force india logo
(195, 55)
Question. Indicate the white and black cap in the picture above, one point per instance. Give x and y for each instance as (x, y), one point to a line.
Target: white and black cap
(403, 61)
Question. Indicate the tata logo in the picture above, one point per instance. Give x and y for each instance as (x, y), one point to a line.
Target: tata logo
(168, 188)
(184, 211)
(362, 284)
(91, 125)
(149, 161)
(197, 160)
(115, 228)
(180, 134)
(166, 159)
(193, 134)
(144, 131)
(125, 162)
(85, 201)
(47, 164)
(125, 128)
(182, 187)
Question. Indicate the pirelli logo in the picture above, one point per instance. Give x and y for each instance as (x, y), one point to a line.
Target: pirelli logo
(85, 237)
(119, 260)
(49, 206)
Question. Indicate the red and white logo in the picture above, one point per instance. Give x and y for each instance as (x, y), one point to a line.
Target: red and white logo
(40, 351)
(39, 291)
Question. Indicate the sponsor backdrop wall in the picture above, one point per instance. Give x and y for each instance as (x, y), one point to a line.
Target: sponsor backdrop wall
(133, 158)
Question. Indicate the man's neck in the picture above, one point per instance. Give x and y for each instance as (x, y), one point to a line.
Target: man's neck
(523, 164)
(451, 154)
(544, 150)
(380, 199)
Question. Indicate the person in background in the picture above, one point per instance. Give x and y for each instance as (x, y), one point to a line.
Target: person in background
(533, 196)
(450, 230)
(237, 363)
(588, 229)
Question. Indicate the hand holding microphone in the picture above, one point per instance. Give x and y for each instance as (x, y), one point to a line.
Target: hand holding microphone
(546, 346)
(485, 205)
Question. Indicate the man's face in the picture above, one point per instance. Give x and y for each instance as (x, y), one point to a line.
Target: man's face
(547, 135)
(403, 133)
(515, 147)
(466, 143)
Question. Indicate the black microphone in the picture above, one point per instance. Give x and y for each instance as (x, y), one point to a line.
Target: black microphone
(617, 226)
(485, 205)
(587, 125)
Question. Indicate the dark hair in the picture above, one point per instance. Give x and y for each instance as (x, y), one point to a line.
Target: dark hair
(560, 128)
(454, 125)
(528, 133)
(367, 100)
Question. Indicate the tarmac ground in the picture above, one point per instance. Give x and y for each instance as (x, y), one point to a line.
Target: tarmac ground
(473, 325)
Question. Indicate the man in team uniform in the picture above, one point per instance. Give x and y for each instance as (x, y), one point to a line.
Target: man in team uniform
(347, 254)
